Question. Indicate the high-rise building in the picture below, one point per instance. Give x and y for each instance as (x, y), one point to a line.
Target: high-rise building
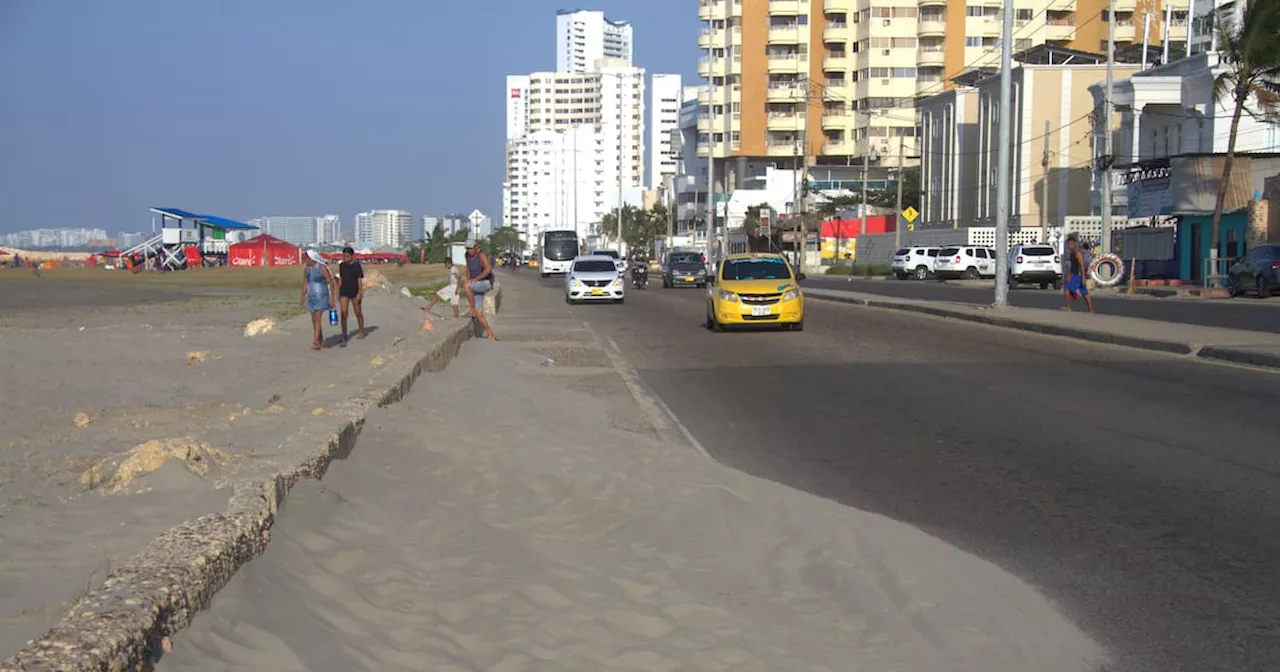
(1205, 14)
(849, 72)
(600, 116)
(329, 229)
(302, 230)
(384, 228)
(585, 36)
(666, 93)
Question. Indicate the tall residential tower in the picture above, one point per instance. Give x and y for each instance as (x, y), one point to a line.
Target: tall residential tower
(585, 36)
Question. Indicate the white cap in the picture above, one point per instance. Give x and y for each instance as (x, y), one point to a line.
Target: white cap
(471, 242)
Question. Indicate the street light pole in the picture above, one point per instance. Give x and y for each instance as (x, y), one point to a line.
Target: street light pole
(622, 245)
(1003, 183)
(1108, 111)
(897, 218)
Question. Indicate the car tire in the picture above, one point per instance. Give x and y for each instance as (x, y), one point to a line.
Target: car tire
(971, 273)
(1233, 287)
(1057, 284)
(798, 326)
(1264, 289)
(922, 273)
(1044, 285)
(713, 324)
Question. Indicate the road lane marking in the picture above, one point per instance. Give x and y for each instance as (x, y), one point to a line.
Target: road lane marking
(613, 344)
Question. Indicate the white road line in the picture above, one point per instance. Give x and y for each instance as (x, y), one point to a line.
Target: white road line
(688, 435)
(613, 344)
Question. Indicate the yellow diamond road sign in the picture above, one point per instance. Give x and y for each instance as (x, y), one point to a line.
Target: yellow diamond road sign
(910, 213)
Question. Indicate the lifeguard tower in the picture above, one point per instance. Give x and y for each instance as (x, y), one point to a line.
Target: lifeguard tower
(187, 240)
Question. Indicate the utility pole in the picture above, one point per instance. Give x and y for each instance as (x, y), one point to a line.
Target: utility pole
(1108, 111)
(897, 218)
(866, 160)
(804, 177)
(1044, 186)
(1002, 158)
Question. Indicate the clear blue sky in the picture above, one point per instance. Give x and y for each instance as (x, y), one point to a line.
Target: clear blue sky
(289, 107)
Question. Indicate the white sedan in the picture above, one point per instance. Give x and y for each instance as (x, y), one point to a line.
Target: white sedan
(594, 277)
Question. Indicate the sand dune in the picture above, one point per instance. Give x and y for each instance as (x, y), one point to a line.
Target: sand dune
(511, 517)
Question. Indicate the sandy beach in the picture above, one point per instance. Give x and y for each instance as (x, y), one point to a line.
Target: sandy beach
(131, 407)
(521, 511)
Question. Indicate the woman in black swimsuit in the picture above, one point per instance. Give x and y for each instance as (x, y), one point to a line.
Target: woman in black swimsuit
(350, 289)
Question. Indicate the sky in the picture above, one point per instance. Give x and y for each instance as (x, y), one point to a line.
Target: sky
(246, 108)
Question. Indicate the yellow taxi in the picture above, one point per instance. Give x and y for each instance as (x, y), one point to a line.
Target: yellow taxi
(755, 290)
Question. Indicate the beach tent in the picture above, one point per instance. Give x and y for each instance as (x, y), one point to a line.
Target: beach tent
(263, 250)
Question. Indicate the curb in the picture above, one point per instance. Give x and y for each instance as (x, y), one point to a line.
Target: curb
(125, 624)
(1208, 352)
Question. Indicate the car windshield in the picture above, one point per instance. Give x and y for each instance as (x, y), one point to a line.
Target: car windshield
(1038, 251)
(756, 269)
(595, 266)
(607, 253)
(948, 251)
(686, 260)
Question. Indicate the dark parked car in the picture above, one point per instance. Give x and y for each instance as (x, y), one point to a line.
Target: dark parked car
(684, 269)
(1258, 272)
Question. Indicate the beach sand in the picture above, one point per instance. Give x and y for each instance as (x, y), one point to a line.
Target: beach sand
(516, 514)
(130, 409)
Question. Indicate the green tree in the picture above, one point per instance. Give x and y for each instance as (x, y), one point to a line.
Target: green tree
(504, 239)
(1251, 52)
(432, 248)
(888, 198)
(640, 227)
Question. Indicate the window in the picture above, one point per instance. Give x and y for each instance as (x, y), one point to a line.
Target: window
(1022, 44)
(904, 72)
(970, 41)
(972, 10)
(1024, 15)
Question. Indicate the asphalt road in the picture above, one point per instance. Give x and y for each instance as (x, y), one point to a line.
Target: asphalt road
(1140, 492)
(1247, 312)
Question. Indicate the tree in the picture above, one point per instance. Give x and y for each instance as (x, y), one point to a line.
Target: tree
(888, 198)
(1251, 52)
(640, 227)
(432, 248)
(504, 239)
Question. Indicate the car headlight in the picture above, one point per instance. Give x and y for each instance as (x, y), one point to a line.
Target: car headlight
(791, 294)
(617, 282)
(574, 282)
(727, 296)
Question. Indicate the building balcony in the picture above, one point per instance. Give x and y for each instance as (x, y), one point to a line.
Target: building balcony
(1060, 31)
(837, 120)
(711, 38)
(710, 67)
(840, 89)
(837, 31)
(788, 7)
(785, 93)
(1124, 6)
(782, 148)
(836, 63)
(713, 9)
(785, 122)
(1126, 32)
(992, 28)
(928, 87)
(789, 64)
(793, 34)
(930, 27)
(931, 57)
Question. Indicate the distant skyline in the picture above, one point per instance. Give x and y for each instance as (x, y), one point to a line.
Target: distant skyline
(245, 109)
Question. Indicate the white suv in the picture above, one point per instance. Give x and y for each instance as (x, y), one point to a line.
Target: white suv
(917, 262)
(1035, 264)
(966, 262)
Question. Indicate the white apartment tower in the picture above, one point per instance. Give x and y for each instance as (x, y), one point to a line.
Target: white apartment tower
(665, 97)
(573, 139)
(585, 36)
(384, 228)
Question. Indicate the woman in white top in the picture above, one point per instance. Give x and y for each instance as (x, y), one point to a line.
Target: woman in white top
(447, 293)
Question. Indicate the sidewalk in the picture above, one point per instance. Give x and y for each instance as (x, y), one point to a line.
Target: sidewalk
(521, 512)
(1253, 348)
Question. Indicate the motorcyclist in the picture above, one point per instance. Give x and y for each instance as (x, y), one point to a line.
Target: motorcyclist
(639, 268)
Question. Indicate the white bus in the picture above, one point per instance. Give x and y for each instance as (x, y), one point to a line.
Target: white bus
(557, 252)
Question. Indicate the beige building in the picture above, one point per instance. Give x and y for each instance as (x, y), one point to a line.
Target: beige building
(842, 77)
(1052, 155)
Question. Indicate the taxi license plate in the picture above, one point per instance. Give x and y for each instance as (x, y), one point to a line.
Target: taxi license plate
(597, 292)
(760, 311)
(688, 278)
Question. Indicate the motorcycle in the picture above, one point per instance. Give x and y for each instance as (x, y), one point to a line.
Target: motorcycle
(639, 276)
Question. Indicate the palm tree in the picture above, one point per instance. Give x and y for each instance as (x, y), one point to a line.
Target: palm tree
(1251, 51)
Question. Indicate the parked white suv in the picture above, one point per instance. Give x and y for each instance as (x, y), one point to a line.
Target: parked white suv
(1035, 264)
(966, 262)
(914, 262)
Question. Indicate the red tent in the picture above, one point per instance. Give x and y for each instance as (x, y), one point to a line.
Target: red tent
(264, 250)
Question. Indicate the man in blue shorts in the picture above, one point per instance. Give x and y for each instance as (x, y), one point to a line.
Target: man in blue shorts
(1075, 285)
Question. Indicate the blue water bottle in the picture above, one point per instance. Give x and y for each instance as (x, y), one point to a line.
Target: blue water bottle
(333, 316)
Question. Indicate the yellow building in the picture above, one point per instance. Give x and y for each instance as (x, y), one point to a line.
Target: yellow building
(842, 77)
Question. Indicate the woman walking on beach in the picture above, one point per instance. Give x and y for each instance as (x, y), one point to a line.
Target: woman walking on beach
(479, 283)
(317, 294)
(351, 290)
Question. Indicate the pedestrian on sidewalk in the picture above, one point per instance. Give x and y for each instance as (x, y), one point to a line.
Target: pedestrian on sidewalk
(317, 295)
(1075, 285)
(449, 292)
(480, 282)
(351, 290)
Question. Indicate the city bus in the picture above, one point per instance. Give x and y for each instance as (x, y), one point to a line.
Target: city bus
(557, 252)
